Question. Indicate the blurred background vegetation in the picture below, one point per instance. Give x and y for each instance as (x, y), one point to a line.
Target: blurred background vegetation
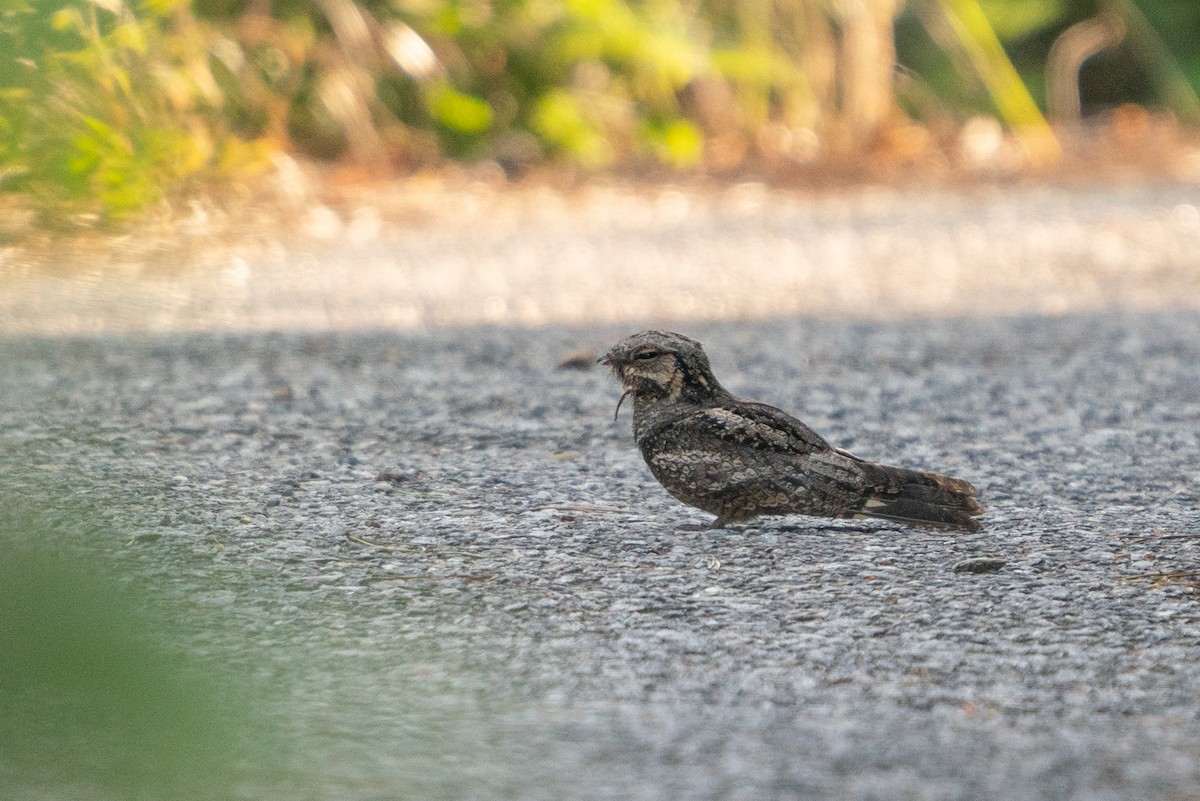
(108, 105)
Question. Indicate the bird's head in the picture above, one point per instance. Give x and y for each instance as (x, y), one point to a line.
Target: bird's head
(662, 366)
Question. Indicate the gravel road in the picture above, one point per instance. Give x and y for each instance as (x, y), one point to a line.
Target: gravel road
(458, 580)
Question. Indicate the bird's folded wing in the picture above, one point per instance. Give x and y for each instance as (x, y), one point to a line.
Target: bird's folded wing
(759, 426)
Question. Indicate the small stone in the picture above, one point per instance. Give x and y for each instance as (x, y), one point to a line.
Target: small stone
(980, 564)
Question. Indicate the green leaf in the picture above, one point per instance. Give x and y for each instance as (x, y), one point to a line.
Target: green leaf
(559, 120)
(67, 19)
(1014, 19)
(677, 143)
(753, 65)
(459, 111)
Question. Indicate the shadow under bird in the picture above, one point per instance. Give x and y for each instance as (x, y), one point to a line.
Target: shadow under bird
(739, 459)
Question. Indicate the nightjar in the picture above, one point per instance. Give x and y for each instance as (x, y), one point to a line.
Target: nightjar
(739, 459)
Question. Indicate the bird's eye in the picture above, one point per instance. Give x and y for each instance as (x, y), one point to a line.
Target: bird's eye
(648, 354)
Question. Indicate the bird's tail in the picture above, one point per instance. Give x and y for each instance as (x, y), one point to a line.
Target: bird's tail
(917, 498)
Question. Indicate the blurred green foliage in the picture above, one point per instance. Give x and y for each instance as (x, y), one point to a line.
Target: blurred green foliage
(104, 108)
(105, 105)
(93, 703)
(1178, 22)
(122, 679)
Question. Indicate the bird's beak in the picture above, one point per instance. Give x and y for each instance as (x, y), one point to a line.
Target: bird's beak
(606, 359)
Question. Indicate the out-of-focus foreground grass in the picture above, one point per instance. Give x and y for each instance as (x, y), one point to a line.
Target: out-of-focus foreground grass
(120, 682)
(107, 105)
(95, 702)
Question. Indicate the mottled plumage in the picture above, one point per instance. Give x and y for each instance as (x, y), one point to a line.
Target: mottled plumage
(739, 459)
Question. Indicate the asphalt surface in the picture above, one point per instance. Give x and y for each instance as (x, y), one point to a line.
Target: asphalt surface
(457, 579)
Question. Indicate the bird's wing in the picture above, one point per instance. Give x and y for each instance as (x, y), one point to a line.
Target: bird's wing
(759, 426)
(740, 459)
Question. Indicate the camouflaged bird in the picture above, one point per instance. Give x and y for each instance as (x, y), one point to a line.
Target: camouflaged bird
(739, 459)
